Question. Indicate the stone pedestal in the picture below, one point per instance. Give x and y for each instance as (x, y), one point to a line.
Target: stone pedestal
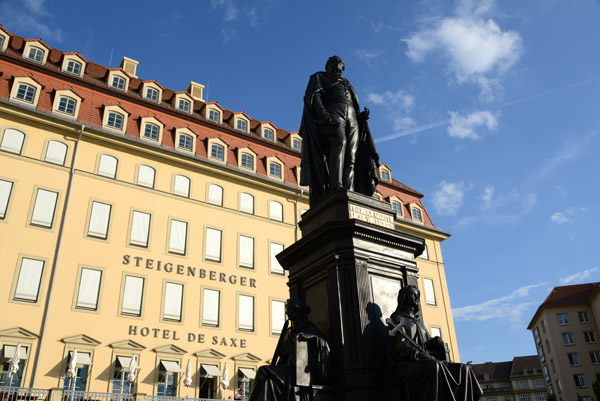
(348, 267)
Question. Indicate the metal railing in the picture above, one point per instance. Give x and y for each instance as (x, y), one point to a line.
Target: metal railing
(167, 398)
(23, 394)
(70, 395)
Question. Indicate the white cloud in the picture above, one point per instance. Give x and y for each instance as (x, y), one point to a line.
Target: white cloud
(230, 11)
(570, 151)
(504, 208)
(580, 277)
(560, 218)
(368, 55)
(486, 197)
(29, 18)
(448, 198)
(464, 127)
(398, 98)
(511, 307)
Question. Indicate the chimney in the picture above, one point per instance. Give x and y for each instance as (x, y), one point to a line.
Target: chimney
(195, 89)
(129, 66)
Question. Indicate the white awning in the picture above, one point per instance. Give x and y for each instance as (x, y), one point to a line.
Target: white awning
(211, 370)
(9, 352)
(83, 359)
(249, 373)
(123, 363)
(171, 367)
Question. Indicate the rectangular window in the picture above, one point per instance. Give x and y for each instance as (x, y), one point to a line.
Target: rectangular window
(214, 115)
(522, 384)
(246, 313)
(173, 302)
(574, 359)
(5, 191)
(541, 354)
(185, 142)
(568, 338)
(247, 161)
(140, 229)
(56, 153)
(274, 170)
(217, 152)
(524, 397)
(213, 244)
(246, 203)
(242, 125)
(210, 307)
(152, 94)
(43, 210)
(595, 357)
(590, 337)
(26, 93)
(275, 266)
(67, 105)
(583, 317)
(275, 211)
(215, 195)
(28, 283)
(436, 332)
(580, 381)
(89, 289)
(178, 237)
(563, 319)
(277, 316)
(118, 83)
(115, 120)
(99, 218)
(152, 131)
(246, 251)
(74, 67)
(269, 135)
(540, 397)
(429, 291)
(181, 186)
(107, 166)
(536, 335)
(133, 292)
(146, 176)
(184, 105)
(538, 383)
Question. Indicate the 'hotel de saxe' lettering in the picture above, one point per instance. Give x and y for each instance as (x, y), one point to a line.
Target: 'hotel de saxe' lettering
(169, 267)
(191, 337)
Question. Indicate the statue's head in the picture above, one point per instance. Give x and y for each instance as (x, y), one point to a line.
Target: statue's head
(335, 64)
(295, 307)
(409, 297)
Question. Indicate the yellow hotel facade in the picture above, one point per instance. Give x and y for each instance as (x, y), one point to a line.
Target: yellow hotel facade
(138, 220)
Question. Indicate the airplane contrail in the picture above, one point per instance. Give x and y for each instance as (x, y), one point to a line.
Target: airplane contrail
(412, 131)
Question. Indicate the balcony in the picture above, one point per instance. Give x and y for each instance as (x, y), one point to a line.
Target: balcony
(57, 394)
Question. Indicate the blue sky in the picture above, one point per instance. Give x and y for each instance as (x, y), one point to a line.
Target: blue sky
(491, 109)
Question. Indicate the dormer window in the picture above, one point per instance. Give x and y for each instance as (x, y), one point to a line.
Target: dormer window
(151, 131)
(185, 142)
(118, 83)
(297, 144)
(73, 67)
(269, 134)
(397, 208)
(184, 105)
(2, 41)
(67, 105)
(247, 161)
(275, 170)
(385, 175)
(115, 120)
(36, 54)
(417, 215)
(66, 102)
(26, 90)
(26, 93)
(214, 115)
(151, 94)
(241, 125)
(217, 152)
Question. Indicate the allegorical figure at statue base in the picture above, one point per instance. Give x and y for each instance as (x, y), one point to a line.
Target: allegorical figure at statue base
(338, 151)
(301, 359)
(422, 359)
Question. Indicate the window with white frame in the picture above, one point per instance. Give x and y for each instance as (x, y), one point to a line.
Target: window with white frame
(490, 399)
(568, 338)
(538, 383)
(274, 249)
(536, 336)
(73, 67)
(275, 211)
(436, 332)
(185, 142)
(524, 397)
(522, 384)
(12, 141)
(213, 244)
(546, 374)
(67, 105)
(563, 319)
(595, 357)
(89, 289)
(107, 166)
(26, 93)
(583, 316)
(43, 209)
(181, 186)
(385, 175)
(416, 214)
(30, 277)
(247, 161)
(133, 292)
(210, 307)
(246, 251)
(540, 397)
(2, 40)
(56, 152)
(118, 82)
(579, 380)
(590, 336)
(277, 316)
(173, 302)
(541, 355)
(215, 195)
(151, 94)
(140, 229)
(397, 208)
(275, 170)
(269, 134)
(217, 152)
(184, 105)
(145, 176)
(297, 144)
(99, 220)
(36, 54)
(574, 359)
(115, 120)
(178, 237)
(214, 115)
(5, 192)
(151, 131)
(429, 291)
(246, 203)
(241, 125)
(245, 312)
